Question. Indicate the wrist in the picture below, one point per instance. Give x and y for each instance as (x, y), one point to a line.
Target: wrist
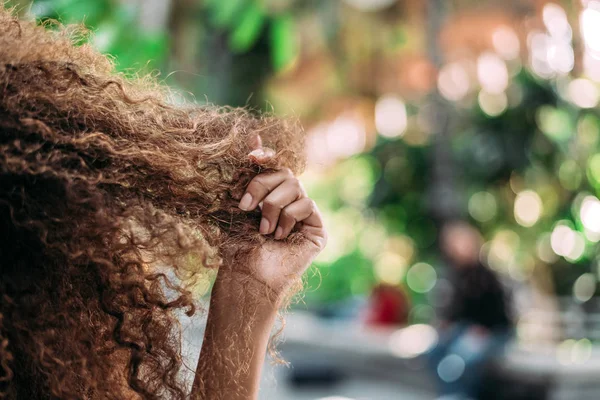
(245, 284)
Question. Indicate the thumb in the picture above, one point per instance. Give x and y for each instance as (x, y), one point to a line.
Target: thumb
(259, 155)
(255, 142)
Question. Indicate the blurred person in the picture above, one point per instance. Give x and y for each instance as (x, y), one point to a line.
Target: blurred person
(112, 203)
(475, 321)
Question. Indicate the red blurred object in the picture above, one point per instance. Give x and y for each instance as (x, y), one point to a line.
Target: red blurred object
(388, 305)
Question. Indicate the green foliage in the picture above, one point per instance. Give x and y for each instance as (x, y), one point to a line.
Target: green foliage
(541, 143)
(245, 21)
(348, 276)
(247, 32)
(283, 41)
(116, 30)
(90, 13)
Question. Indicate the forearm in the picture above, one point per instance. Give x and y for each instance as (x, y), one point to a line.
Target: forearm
(240, 318)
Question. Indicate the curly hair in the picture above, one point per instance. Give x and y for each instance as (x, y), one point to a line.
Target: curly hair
(113, 200)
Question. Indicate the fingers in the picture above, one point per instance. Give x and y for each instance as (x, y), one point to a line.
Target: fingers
(298, 211)
(261, 186)
(304, 215)
(286, 193)
(284, 204)
(313, 228)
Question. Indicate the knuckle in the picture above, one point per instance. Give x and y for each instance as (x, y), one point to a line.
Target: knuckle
(295, 187)
(296, 183)
(254, 183)
(259, 185)
(272, 204)
(285, 214)
(287, 171)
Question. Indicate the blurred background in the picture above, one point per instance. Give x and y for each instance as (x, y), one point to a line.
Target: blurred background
(453, 149)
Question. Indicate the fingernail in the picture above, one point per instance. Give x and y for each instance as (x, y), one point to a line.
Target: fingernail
(258, 153)
(278, 233)
(245, 202)
(264, 226)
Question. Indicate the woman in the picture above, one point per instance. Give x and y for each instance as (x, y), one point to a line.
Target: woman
(112, 203)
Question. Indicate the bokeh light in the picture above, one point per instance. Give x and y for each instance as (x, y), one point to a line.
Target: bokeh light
(390, 116)
(572, 351)
(500, 252)
(552, 53)
(555, 123)
(589, 23)
(539, 45)
(584, 93)
(544, 249)
(413, 340)
(567, 242)
(401, 245)
(506, 42)
(582, 351)
(492, 73)
(560, 56)
(564, 352)
(483, 206)
(421, 277)
(528, 208)
(555, 20)
(453, 81)
(346, 136)
(570, 175)
(493, 104)
(587, 131)
(451, 368)
(390, 268)
(591, 65)
(590, 214)
(584, 287)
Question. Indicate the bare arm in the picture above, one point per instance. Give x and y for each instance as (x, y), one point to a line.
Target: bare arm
(243, 307)
(237, 333)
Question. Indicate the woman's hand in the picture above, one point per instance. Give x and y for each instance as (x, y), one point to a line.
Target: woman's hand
(285, 209)
(240, 322)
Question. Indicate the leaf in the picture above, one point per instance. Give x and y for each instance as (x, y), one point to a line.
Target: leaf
(142, 53)
(248, 30)
(224, 12)
(284, 47)
(88, 12)
(104, 36)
